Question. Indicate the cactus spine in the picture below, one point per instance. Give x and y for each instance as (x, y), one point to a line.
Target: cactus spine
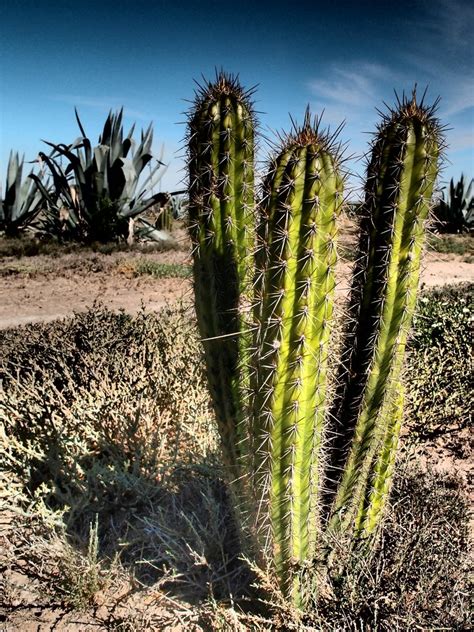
(295, 287)
(401, 176)
(302, 487)
(221, 213)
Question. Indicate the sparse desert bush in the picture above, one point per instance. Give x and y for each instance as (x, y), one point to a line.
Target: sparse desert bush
(93, 409)
(440, 367)
(111, 475)
(105, 418)
(418, 576)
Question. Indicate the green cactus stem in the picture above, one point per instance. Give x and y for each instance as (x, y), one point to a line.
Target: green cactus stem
(294, 296)
(308, 473)
(164, 221)
(378, 484)
(222, 216)
(401, 175)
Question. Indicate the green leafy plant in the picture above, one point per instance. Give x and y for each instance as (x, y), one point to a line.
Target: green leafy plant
(311, 477)
(161, 270)
(100, 189)
(22, 201)
(455, 214)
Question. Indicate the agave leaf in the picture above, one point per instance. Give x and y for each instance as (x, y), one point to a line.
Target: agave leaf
(148, 231)
(126, 145)
(13, 169)
(79, 122)
(60, 180)
(104, 138)
(130, 133)
(22, 201)
(155, 175)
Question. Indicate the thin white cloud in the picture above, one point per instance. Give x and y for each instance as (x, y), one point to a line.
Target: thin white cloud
(101, 103)
(353, 85)
(461, 138)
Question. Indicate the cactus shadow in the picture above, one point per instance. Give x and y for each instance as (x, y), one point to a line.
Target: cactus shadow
(177, 532)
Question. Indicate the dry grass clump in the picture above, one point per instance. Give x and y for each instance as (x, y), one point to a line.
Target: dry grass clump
(114, 502)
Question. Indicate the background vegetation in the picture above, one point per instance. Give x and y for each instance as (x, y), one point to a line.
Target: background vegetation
(87, 193)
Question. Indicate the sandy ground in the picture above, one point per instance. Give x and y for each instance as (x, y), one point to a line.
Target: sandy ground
(43, 288)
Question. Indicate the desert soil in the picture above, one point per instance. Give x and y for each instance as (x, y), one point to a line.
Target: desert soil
(43, 288)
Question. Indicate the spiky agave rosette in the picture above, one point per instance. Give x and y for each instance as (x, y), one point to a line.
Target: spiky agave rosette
(294, 290)
(367, 414)
(222, 219)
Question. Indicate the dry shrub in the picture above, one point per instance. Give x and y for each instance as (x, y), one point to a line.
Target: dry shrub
(418, 576)
(105, 386)
(111, 475)
(441, 361)
(106, 417)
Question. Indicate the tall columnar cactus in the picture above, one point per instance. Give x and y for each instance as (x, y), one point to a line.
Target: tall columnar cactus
(222, 219)
(312, 471)
(294, 306)
(400, 180)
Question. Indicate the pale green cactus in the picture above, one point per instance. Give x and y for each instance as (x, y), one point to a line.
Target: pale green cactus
(295, 300)
(310, 472)
(400, 181)
(222, 220)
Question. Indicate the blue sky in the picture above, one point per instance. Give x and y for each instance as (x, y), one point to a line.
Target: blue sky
(343, 57)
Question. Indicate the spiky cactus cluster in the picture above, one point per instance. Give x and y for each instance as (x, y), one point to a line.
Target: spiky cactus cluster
(306, 471)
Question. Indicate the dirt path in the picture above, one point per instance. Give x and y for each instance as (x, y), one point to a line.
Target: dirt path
(43, 288)
(46, 299)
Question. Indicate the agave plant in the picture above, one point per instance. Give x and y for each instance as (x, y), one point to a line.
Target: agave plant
(100, 189)
(455, 214)
(22, 201)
